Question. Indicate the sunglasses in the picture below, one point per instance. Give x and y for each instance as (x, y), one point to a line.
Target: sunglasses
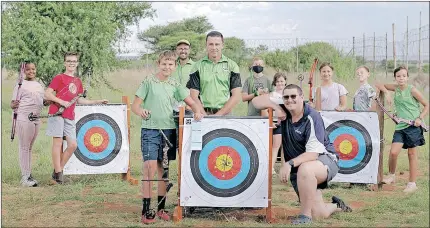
(293, 97)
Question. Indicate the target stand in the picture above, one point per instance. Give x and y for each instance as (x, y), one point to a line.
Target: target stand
(229, 168)
(103, 136)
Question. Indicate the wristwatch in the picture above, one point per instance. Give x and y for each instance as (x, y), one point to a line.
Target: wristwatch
(291, 162)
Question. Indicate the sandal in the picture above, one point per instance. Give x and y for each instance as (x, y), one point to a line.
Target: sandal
(301, 219)
(341, 204)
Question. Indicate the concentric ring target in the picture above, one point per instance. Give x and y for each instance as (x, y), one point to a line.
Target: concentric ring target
(99, 139)
(227, 164)
(352, 143)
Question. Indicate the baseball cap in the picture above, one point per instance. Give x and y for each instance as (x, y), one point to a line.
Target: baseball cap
(183, 42)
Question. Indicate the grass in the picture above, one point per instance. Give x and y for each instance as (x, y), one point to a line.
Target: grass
(105, 200)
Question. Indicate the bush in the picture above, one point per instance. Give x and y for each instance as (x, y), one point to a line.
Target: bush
(426, 68)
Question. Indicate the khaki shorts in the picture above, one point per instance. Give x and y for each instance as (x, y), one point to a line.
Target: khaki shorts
(59, 127)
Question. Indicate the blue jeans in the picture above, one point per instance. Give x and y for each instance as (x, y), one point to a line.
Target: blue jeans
(152, 143)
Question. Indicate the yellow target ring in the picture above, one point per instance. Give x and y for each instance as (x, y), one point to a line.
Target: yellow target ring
(345, 147)
(224, 162)
(96, 139)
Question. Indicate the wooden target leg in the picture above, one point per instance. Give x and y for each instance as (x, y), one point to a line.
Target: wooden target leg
(378, 186)
(177, 214)
(127, 176)
(269, 203)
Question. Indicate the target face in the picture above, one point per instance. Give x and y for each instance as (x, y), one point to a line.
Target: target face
(352, 143)
(99, 139)
(231, 168)
(101, 134)
(227, 164)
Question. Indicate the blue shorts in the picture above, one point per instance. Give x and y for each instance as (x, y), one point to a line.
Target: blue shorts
(410, 137)
(152, 143)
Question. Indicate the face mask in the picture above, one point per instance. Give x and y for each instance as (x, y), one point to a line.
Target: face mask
(257, 69)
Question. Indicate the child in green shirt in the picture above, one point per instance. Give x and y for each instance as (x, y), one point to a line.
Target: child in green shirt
(407, 100)
(154, 103)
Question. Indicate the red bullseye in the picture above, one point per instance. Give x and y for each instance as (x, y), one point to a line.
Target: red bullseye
(96, 139)
(346, 146)
(224, 163)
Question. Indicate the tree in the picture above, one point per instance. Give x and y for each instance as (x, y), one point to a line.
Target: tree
(169, 42)
(280, 60)
(164, 37)
(234, 48)
(153, 35)
(260, 50)
(43, 31)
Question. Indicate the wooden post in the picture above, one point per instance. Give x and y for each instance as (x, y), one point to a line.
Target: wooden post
(353, 47)
(394, 49)
(407, 42)
(419, 48)
(297, 57)
(386, 55)
(177, 214)
(374, 55)
(269, 203)
(381, 145)
(127, 176)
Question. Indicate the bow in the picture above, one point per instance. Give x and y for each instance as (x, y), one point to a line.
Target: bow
(15, 113)
(165, 177)
(311, 79)
(33, 117)
(397, 119)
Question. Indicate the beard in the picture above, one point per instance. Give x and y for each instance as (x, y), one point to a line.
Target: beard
(181, 58)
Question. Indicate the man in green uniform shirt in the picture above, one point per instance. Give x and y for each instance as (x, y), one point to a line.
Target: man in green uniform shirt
(184, 63)
(182, 74)
(216, 79)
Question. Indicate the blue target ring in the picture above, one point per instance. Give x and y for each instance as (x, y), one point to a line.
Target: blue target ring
(211, 179)
(249, 163)
(80, 138)
(115, 139)
(364, 141)
(361, 145)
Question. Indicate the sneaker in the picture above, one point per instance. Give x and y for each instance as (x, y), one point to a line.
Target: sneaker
(389, 179)
(35, 181)
(163, 215)
(57, 178)
(28, 181)
(147, 220)
(410, 188)
(340, 204)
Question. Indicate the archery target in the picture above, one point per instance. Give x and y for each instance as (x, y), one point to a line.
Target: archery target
(355, 137)
(101, 135)
(231, 169)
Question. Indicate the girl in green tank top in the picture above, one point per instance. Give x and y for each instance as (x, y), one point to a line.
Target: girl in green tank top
(407, 101)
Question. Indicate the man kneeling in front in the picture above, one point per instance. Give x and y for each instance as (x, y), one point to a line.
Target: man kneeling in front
(311, 161)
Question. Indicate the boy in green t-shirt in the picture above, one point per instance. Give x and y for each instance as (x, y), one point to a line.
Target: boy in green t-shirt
(154, 103)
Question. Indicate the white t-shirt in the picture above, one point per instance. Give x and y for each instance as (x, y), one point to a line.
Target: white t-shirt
(330, 96)
(277, 98)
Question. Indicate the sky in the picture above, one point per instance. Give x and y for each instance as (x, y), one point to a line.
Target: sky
(282, 20)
